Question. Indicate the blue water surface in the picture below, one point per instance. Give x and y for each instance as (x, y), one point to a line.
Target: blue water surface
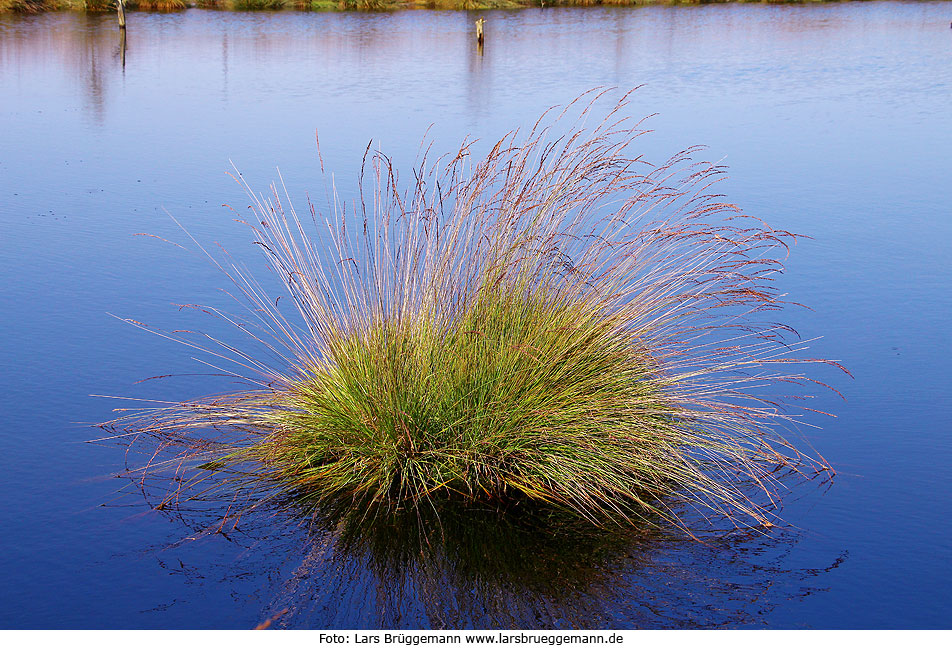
(835, 121)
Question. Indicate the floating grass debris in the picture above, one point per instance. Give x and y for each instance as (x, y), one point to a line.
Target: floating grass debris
(559, 323)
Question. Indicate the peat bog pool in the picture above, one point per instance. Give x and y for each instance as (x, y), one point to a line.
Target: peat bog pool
(834, 121)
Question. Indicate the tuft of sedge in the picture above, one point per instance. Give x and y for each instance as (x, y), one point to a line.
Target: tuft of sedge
(558, 322)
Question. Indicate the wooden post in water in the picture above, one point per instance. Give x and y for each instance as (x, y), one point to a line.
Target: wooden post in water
(121, 8)
(479, 31)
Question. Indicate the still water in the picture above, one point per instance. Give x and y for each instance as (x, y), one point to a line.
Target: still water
(835, 121)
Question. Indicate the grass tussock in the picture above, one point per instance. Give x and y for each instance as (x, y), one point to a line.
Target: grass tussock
(157, 5)
(256, 5)
(558, 323)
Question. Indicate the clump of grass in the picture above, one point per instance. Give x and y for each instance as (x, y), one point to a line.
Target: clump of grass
(157, 5)
(257, 5)
(560, 323)
(321, 5)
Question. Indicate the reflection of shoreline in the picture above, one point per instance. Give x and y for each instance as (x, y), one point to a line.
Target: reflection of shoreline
(478, 73)
(90, 46)
(367, 45)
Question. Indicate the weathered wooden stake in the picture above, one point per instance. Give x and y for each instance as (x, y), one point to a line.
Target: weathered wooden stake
(479, 31)
(121, 8)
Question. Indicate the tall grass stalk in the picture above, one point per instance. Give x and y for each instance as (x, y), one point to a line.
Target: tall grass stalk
(558, 323)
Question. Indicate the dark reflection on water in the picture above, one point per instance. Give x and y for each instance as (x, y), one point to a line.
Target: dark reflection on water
(482, 569)
(488, 572)
(123, 43)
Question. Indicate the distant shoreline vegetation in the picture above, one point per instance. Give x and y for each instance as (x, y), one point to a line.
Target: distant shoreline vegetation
(38, 6)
